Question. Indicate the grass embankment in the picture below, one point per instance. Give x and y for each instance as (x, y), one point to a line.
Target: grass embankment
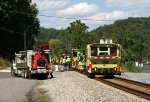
(129, 67)
(40, 95)
(4, 63)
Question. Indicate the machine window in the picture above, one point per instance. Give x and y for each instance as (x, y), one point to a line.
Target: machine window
(93, 51)
(103, 48)
(74, 54)
(113, 51)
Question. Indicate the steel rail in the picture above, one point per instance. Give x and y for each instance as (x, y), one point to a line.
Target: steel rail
(139, 89)
(142, 90)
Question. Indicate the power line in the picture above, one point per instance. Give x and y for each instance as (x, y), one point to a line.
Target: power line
(75, 18)
(19, 34)
(11, 31)
(61, 17)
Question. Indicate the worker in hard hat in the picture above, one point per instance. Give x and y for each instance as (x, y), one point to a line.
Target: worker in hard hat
(64, 61)
(69, 62)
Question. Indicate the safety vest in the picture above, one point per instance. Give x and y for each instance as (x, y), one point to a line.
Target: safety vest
(64, 60)
(68, 59)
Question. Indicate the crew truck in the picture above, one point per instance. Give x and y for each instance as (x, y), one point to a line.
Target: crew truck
(32, 63)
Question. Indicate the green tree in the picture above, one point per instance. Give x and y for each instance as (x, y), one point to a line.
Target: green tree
(48, 33)
(76, 32)
(15, 19)
(56, 47)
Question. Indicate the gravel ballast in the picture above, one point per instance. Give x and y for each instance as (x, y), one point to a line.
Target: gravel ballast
(70, 86)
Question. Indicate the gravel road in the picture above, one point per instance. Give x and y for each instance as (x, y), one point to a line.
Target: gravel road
(71, 86)
(15, 89)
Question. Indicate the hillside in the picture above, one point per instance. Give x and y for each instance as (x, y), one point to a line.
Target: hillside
(132, 33)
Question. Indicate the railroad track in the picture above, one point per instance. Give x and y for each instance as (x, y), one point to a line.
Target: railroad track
(139, 89)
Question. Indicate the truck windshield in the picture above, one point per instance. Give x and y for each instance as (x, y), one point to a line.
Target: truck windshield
(103, 48)
(113, 51)
(93, 51)
(104, 51)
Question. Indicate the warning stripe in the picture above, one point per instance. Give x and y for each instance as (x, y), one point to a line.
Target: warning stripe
(103, 57)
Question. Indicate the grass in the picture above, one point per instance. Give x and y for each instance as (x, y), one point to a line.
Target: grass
(4, 63)
(40, 95)
(43, 98)
(128, 67)
(39, 83)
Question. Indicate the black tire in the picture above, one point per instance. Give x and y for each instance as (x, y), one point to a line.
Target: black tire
(22, 74)
(81, 71)
(26, 74)
(112, 76)
(12, 71)
(91, 75)
(45, 76)
(29, 74)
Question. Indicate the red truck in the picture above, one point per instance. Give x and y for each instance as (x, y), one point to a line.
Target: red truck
(33, 63)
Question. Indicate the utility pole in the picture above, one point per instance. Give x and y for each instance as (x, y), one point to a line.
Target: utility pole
(24, 40)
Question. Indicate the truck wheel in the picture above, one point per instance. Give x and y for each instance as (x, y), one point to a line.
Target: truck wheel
(111, 76)
(12, 72)
(24, 73)
(91, 75)
(27, 74)
(45, 76)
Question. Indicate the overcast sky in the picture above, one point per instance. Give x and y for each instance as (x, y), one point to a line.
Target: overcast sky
(89, 9)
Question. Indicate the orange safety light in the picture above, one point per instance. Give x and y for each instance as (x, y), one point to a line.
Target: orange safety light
(90, 66)
(119, 69)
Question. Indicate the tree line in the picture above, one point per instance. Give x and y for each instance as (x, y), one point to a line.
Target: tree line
(133, 34)
(19, 17)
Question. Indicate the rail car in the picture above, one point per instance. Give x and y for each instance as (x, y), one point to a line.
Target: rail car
(100, 59)
(78, 59)
(103, 58)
